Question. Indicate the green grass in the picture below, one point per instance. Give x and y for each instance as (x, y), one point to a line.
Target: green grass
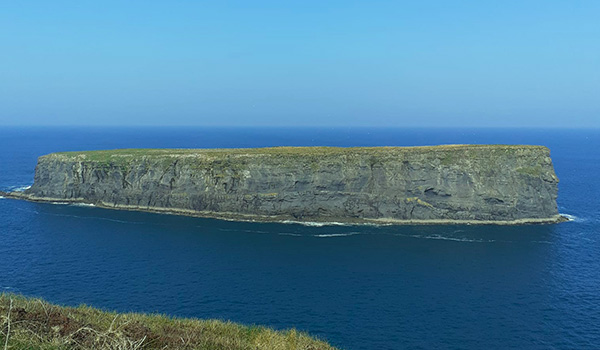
(534, 171)
(234, 158)
(27, 323)
(139, 152)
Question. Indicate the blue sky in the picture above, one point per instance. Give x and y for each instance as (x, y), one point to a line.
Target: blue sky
(300, 63)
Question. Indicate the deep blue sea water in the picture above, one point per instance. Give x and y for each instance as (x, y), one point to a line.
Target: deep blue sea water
(358, 287)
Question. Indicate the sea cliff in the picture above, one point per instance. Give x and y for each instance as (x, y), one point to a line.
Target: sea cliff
(497, 184)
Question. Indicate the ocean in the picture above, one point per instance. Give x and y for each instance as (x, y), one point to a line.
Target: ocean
(357, 287)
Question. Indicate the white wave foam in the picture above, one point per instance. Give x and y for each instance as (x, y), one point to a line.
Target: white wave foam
(255, 231)
(237, 230)
(84, 204)
(20, 188)
(337, 234)
(59, 203)
(1, 197)
(314, 223)
(458, 239)
(573, 218)
(445, 238)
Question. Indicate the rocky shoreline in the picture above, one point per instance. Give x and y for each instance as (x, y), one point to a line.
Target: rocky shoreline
(283, 219)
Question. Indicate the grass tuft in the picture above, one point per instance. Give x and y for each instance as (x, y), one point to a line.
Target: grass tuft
(28, 323)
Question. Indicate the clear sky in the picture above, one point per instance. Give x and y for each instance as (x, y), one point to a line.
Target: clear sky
(300, 63)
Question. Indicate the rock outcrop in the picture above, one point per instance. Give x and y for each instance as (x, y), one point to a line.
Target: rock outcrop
(437, 184)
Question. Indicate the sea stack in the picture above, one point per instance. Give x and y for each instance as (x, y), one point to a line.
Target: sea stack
(488, 184)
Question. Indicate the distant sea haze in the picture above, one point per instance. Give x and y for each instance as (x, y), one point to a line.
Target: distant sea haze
(358, 287)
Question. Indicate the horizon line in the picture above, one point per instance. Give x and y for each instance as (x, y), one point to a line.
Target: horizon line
(293, 126)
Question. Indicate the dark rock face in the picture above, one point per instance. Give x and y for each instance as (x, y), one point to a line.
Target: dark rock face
(463, 182)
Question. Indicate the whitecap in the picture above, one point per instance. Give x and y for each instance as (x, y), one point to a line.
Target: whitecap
(458, 239)
(445, 238)
(1, 197)
(314, 223)
(20, 188)
(84, 204)
(573, 218)
(255, 231)
(251, 231)
(327, 235)
(239, 230)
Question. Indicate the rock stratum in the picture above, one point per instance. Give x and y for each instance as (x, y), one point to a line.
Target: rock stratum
(494, 184)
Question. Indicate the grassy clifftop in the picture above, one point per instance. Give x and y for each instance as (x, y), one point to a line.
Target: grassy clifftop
(447, 153)
(27, 323)
(287, 150)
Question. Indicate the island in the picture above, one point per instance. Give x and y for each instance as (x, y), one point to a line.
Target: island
(446, 184)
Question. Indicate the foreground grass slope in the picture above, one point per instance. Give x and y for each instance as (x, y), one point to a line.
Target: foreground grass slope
(27, 323)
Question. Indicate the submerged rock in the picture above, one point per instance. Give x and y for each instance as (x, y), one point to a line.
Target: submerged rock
(436, 184)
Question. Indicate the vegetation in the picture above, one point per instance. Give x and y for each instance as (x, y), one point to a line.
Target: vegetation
(418, 201)
(235, 159)
(98, 155)
(27, 323)
(534, 171)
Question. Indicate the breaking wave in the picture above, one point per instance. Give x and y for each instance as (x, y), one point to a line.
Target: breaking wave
(573, 218)
(327, 235)
(314, 223)
(19, 188)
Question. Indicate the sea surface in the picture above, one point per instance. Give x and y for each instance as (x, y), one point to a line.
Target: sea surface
(357, 287)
